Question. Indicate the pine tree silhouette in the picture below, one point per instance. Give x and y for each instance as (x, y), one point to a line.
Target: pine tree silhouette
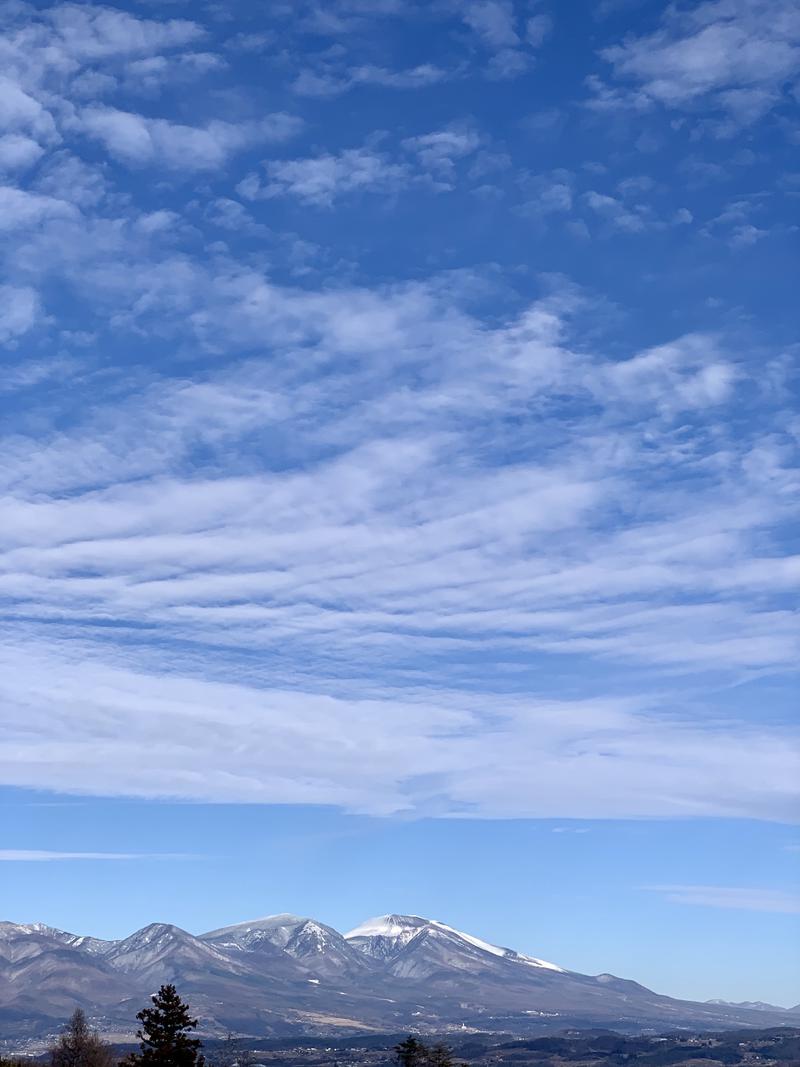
(410, 1053)
(439, 1056)
(415, 1053)
(164, 1035)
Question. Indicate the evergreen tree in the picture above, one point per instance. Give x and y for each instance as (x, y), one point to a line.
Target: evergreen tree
(79, 1046)
(164, 1034)
(415, 1053)
(410, 1053)
(439, 1056)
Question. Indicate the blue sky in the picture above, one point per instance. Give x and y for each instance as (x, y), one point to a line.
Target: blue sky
(399, 462)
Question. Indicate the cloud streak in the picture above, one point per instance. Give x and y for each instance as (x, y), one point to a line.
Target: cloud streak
(741, 899)
(456, 754)
(27, 855)
(404, 544)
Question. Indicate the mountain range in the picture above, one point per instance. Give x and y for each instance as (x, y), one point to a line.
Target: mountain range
(287, 976)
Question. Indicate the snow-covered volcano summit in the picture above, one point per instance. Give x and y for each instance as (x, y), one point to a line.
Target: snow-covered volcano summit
(386, 936)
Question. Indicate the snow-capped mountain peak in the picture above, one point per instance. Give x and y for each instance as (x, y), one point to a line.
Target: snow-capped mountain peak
(306, 940)
(40, 934)
(153, 934)
(385, 935)
(274, 929)
(165, 950)
(389, 926)
(30, 929)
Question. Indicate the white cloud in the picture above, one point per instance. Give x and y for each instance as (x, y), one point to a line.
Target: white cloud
(502, 39)
(21, 111)
(404, 532)
(322, 179)
(538, 29)
(730, 56)
(616, 213)
(32, 372)
(678, 376)
(19, 309)
(736, 223)
(231, 215)
(548, 194)
(328, 498)
(152, 73)
(138, 140)
(18, 152)
(493, 21)
(418, 77)
(746, 235)
(509, 39)
(68, 53)
(332, 82)
(449, 754)
(251, 42)
(67, 177)
(69, 47)
(89, 32)
(507, 63)
(743, 899)
(19, 208)
(439, 150)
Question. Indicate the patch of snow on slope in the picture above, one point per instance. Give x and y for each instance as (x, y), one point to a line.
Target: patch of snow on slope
(531, 961)
(476, 941)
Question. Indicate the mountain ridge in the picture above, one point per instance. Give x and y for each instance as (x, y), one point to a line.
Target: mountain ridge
(286, 974)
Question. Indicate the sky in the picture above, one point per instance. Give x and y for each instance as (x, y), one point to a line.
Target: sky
(399, 466)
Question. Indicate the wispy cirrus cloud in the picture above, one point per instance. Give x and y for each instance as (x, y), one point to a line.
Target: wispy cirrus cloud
(451, 753)
(27, 855)
(743, 899)
(330, 80)
(342, 558)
